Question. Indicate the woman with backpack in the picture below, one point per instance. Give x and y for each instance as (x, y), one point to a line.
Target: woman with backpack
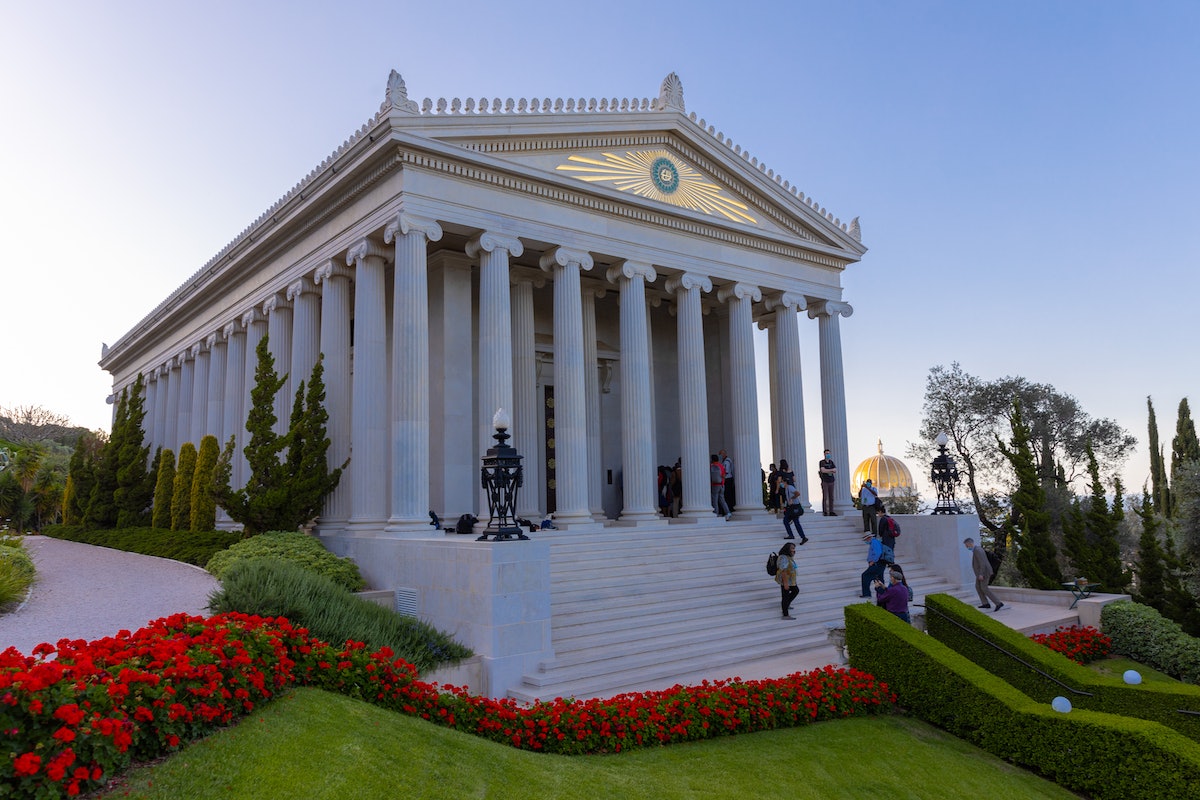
(786, 577)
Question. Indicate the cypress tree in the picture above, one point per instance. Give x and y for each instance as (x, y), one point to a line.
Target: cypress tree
(1185, 448)
(204, 500)
(101, 511)
(1102, 534)
(164, 488)
(181, 492)
(1158, 472)
(135, 488)
(1151, 563)
(1030, 522)
(310, 478)
(1075, 543)
(81, 474)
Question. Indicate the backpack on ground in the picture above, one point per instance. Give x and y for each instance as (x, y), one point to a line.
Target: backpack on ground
(773, 564)
(465, 524)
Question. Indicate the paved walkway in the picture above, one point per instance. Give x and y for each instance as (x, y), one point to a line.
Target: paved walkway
(88, 592)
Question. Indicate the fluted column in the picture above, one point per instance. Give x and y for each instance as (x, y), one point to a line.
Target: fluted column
(200, 356)
(591, 393)
(216, 346)
(767, 324)
(368, 472)
(637, 442)
(525, 405)
(306, 331)
(160, 407)
(187, 384)
(693, 395)
(151, 408)
(495, 388)
(833, 393)
(410, 372)
(278, 312)
(334, 280)
(570, 404)
(174, 370)
(233, 417)
(747, 450)
(255, 325)
(787, 402)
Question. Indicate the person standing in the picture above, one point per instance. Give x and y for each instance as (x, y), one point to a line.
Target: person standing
(875, 564)
(867, 498)
(786, 578)
(773, 489)
(887, 528)
(730, 493)
(894, 597)
(983, 574)
(716, 477)
(793, 511)
(784, 477)
(828, 472)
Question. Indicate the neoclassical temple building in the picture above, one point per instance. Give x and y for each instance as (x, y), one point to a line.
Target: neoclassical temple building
(597, 267)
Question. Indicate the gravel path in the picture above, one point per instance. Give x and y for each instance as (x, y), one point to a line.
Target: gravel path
(87, 592)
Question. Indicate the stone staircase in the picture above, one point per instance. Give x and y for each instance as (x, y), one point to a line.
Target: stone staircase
(631, 606)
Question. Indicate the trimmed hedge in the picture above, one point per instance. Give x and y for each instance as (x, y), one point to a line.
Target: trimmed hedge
(1105, 756)
(1016, 658)
(190, 547)
(295, 548)
(1145, 635)
(268, 587)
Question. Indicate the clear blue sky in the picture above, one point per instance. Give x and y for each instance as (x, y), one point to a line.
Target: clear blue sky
(1025, 172)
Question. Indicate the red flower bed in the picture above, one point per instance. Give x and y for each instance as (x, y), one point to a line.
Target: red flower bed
(1081, 644)
(71, 723)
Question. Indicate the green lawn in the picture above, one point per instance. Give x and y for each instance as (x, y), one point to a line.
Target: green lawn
(313, 745)
(1115, 667)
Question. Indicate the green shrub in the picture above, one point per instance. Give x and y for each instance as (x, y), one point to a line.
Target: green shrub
(189, 547)
(1145, 635)
(163, 488)
(1044, 674)
(1105, 756)
(296, 548)
(204, 498)
(181, 492)
(17, 573)
(273, 588)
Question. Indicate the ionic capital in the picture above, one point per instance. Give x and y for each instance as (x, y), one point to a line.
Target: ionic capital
(739, 291)
(561, 257)
(490, 241)
(404, 224)
(251, 317)
(521, 275)
(688, 281)
(210, 341)
(331, 269)
(788, 300)
(630, 270)
(275, 302)
(233, 329)
(828, 308)
(363, 250)
(298, 288)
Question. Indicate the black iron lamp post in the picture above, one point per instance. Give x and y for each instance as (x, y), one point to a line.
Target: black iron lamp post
(501, 476)
(945, 477)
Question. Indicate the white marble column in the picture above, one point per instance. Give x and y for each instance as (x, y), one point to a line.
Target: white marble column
(200, 392)
(218, 355)
(410, 372)
(525, 429)
(233, 417)
(693, 396)
(306, 332)
(160, 409)
(787, 399)
(151, 407)
(255, 325)
(639, 480)
(743, 390)
(334, 280)
(655, 455)
(187, 383)
(591, 393)
(278, 312)
(495, 389)
(833, 394)
(174, 368)
(767, 324)
(368, 473)
(570, 404)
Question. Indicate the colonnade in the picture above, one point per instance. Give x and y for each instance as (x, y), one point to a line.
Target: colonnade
(379, 409)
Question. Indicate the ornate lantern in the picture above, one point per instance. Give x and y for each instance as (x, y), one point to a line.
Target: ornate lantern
(945, 477)
(501, 476)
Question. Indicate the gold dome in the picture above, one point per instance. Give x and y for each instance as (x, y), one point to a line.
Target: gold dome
(888, 473)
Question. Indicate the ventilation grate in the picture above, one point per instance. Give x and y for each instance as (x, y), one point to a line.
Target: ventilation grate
(406, 602)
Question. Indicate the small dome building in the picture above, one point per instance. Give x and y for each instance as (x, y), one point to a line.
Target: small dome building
(889, 474)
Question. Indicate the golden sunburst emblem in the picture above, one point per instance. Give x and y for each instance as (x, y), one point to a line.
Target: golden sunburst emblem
(660, 176)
